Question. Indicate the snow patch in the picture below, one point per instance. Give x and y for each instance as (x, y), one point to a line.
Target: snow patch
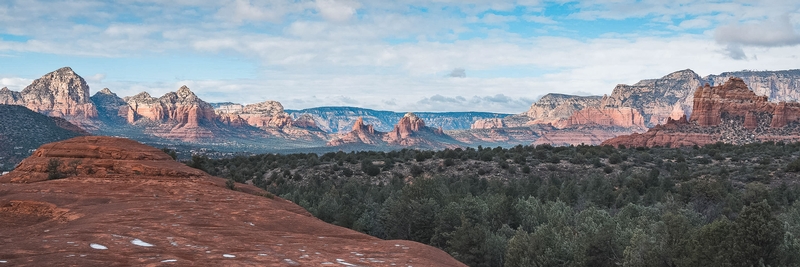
(97, 246)
(170, 260)
(228, 255)
(141, 243)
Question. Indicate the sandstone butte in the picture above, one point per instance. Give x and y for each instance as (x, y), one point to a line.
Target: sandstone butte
(729, 113)
(410, 130)
(127, 204)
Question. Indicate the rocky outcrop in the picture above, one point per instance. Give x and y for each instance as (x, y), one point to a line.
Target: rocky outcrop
(410, 131)
(638, 106)
(176, 115)
(671, 134)
(552, 109)
(265, 115)
(730, 100)
(657, 100)
(341, 119)
(729, 113)
(61, 93)
(124, 203)
(491, 123)
(622, 117)
(777, 86)
(8, 97)
(111, 108)
(361, 134)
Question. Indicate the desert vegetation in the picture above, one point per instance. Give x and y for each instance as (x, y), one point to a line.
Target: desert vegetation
(717, 205)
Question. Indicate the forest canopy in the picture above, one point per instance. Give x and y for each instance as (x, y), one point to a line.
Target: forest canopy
(718, 205)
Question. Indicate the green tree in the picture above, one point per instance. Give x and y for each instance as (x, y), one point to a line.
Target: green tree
(758, 235)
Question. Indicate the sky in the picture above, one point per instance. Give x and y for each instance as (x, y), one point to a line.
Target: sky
(402, 55)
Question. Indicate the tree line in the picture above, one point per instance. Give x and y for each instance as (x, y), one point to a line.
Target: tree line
(717, 205)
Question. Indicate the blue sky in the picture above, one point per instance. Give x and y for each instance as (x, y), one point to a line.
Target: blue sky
(404, 55)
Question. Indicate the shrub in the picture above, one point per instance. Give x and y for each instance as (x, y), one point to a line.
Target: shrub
(793, 166)
(416, 170)
(608, 169)
(347, 172)
(230, 184)
(615, 159)
(52, 169)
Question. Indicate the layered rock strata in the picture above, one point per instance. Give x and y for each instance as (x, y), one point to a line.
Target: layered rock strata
(729, 113)
(178, 115)
(60, 93)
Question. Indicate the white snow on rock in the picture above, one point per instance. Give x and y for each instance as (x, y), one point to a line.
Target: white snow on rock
(170, 260)
(97, 246)
(228, 256)
(141, 243)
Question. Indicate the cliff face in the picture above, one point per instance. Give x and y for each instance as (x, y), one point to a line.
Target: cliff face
(270, 117)
(732, 100)
(8, 97)
(777, 86)
(176, 115)
(360, 134)
(553, 109)
(411, 131)
(124, 203)
(658, 99)
(60, 93)
(729, 113)
(638, 106)
(111, 108)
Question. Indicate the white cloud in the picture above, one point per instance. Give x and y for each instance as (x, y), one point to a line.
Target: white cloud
(695, 24)
(539, 19)
(389, 53)
(766, 33)
(497, 19)
(15, 83)
(337, 10)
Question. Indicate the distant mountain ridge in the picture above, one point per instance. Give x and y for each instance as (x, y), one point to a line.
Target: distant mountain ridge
(341, 119)
(645, 104)
(182, 118)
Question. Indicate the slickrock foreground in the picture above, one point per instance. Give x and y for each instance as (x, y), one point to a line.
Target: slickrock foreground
(123, 203)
